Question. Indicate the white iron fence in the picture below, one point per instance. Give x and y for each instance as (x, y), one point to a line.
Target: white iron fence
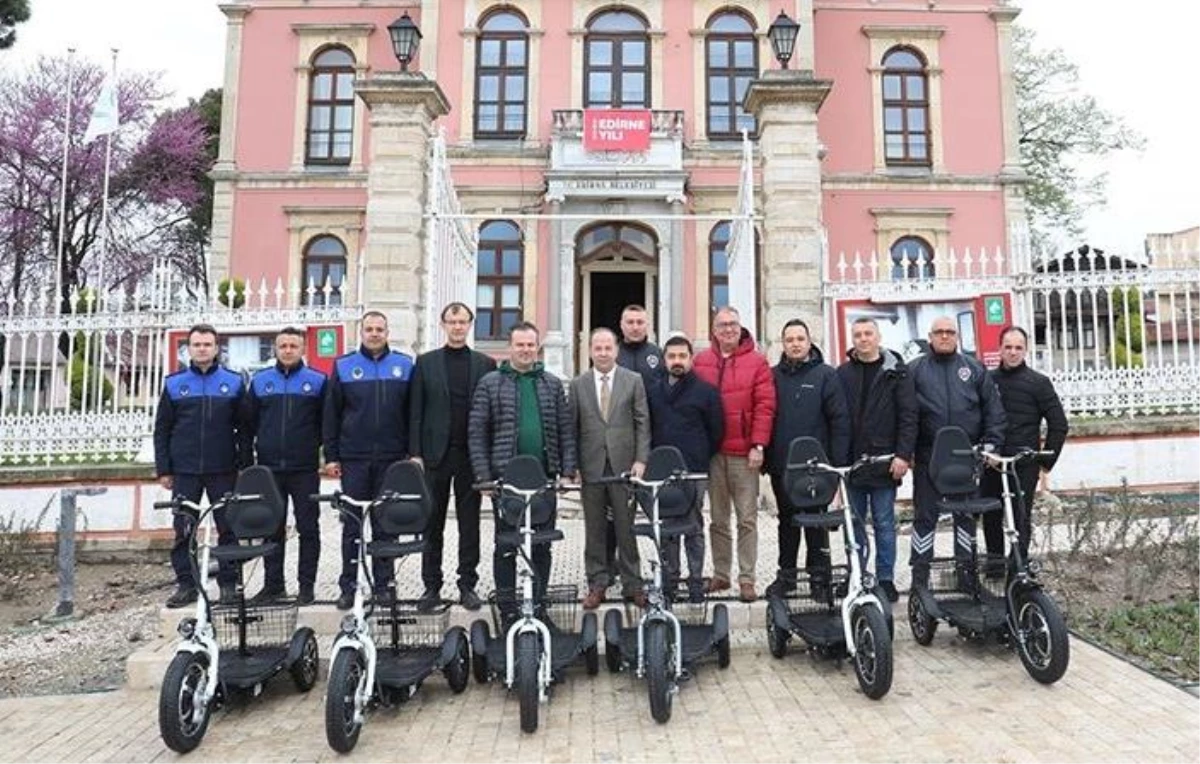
(451, 245)
(83, 386)
(1118, 335)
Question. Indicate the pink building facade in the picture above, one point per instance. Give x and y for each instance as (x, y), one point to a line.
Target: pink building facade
(890, 139)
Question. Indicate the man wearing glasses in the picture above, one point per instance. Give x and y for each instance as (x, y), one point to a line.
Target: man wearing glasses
(953, 389)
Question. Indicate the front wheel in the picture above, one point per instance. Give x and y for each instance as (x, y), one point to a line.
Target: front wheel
(777, 639)
(304, 669)
(721, 626)
(612, 640)
(1042, 637)
(457, 671)
(182, 719)
(346, 677)
(923, 627)
(872, 651)
(529, 655)
(659, 665)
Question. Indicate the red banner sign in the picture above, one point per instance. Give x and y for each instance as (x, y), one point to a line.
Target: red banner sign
(616, 129)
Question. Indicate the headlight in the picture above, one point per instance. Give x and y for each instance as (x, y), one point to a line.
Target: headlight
(868, 581)
(349, 624)
(1034, 566)
(187, 628)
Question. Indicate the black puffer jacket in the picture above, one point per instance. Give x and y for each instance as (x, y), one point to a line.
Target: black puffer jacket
(888, 422)
(955, 389)
(1028, 398)
(492, 428)
(808, 401)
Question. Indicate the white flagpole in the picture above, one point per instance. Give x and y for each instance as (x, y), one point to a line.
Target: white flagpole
(104, 199)
(62, 200)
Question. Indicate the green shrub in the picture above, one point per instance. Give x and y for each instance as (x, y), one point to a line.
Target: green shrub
(239, 292)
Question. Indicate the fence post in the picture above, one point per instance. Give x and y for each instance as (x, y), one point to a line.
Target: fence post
(66, 547)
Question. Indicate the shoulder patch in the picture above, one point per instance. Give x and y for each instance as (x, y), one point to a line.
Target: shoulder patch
(964, 373)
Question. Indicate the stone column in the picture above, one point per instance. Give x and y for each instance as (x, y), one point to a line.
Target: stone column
(224, 172)
(674, 322)
(785, 103)
(403, 108)
(553, 353)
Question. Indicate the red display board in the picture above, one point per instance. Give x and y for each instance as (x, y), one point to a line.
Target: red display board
(616, 129)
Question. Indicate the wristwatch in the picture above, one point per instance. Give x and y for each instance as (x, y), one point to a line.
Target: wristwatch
(757, 447)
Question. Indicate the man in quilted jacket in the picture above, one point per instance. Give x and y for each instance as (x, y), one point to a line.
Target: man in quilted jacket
(742, 375)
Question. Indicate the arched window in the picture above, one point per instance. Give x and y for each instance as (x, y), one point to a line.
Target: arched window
(731, 59)
(718, 266)
(500, 266)
(331, 108)
(501, 76)
(324, 260)
(912, 258)
(906, 137)
(616, 62)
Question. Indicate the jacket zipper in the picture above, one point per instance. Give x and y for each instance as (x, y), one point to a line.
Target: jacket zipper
(287, 412)
(204, 417)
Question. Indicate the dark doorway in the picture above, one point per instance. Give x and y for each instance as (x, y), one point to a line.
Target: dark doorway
(611, 292)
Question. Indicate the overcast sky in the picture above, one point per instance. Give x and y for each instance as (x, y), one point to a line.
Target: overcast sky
(1135, 59)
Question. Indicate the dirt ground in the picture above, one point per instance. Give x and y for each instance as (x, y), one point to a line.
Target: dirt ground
(116, 610)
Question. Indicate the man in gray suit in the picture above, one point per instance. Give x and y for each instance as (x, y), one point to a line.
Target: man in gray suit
(613, 422)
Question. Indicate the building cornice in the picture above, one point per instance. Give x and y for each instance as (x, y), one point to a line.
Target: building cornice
(777, 86)
(890, 31)
(235, 12)
(329, 29)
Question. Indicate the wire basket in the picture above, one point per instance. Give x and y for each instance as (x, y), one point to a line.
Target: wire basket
(266, 625)
(559, 607)
(820, 594)
(405, 626)
(950, 580)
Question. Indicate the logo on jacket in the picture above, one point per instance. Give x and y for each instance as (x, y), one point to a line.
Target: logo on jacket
(270, 387)
(185, 391)
(306, 387)
(964, 373)
(356, 372)
(652, 361)
(397, 371)
(224, 388)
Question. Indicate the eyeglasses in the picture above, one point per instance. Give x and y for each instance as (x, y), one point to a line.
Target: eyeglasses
(944, 332)
(726, 325)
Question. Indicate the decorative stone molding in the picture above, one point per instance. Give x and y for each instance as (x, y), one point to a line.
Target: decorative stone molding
(923, 38)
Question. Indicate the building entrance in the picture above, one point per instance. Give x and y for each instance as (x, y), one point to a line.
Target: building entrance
(611, 292)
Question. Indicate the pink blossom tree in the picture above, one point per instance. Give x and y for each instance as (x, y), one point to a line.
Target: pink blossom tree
(156, 180)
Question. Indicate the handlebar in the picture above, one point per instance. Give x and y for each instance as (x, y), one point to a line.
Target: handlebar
(629, 478)
(862, 461)
(177, 503)
(339, 497)
(489, 486)
(995, 458)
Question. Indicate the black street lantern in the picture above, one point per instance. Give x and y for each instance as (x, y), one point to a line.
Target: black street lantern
(406, 38)
(783, 33)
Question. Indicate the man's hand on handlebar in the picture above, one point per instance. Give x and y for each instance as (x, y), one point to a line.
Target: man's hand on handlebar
(637, 470)
(166, 481)
(899, 468)
(333, 470)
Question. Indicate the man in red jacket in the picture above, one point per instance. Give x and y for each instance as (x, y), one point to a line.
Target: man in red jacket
(743, 376)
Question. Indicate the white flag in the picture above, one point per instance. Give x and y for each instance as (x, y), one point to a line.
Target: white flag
(105, 118)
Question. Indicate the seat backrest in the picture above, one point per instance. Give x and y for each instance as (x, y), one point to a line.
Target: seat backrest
(256, 519)
(806, 487)
(674, 499)
(953, 474)
(525, 472)
(404, 517)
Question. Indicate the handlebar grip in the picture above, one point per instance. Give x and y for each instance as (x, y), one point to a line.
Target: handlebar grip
(964, 452)
(564, 487)
(608, 479)
(164, 504)
(487, 485)
(323, 497)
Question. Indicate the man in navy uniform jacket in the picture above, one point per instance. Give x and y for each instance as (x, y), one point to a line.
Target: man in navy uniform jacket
(365, 430)
(283, 414)
(198, 438)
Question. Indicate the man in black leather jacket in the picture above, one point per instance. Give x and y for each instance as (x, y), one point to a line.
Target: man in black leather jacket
(952, 389)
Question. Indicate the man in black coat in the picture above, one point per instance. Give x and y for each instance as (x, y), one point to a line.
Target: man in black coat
(685, 412)
(809, 401)
(1029, 399)
(440, 394)
(952, 389)
(883, 420)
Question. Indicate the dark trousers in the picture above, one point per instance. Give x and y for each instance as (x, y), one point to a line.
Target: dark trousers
(363, 480)
(504, 568)
(455, 469)
(693, 548)
(1022, 507)
(298, 486)
(817, 539)
(598, 502)
(190, 487)
(925, 517)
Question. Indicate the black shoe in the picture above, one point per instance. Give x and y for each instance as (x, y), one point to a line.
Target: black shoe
(229, 594)
(267, 596)
(695, 590)
(889, 589)
(383, 598)
(468, 598)
(306, 596)
(345, 601)
(429, 600)
(183, 596)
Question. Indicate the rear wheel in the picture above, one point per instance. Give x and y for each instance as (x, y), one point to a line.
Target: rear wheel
(721, 626)
(612, 640)
(346, 678)
(457, 671)
(872, 651)
(923, 627)
(777, 639)
(182, 720)
(659, 665)
(1042, 644)
(529, 655)
(304, 669)
(479, 644)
